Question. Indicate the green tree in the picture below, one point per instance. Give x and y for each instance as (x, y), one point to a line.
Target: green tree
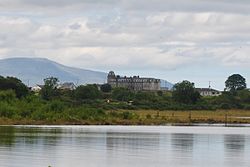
(106, 88)
(228, 100)
(148, 96)
(87, 92)
(20, 88)
(49, 89)
(15, 84)
(235, 82)
(184, 92)
(122, 94)
(244, 95)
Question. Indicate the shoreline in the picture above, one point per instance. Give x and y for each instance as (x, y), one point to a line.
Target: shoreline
(119, 125)
(148, 117)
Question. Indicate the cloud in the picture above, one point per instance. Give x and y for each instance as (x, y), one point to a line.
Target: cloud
(124, 35)
(230, 6)
(160, 34)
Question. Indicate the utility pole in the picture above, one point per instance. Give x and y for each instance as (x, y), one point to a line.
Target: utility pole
(77, 81)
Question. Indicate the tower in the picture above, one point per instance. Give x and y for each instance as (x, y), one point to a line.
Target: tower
(111, 79)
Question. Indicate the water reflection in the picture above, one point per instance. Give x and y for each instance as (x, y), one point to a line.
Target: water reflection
(182, 142)
(234, 143)
(7, 136)
(182, 146)
(10, 135)
(109, 147)
(132, 140)
(234, 150)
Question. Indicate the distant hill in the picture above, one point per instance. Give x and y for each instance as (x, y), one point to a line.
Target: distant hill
(32, 71)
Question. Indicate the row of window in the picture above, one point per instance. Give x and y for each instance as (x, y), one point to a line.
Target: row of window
(135, 80)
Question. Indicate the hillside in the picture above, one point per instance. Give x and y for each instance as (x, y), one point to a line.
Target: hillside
(32, 71)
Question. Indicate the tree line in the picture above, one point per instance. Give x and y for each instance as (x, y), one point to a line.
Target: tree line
(91, 101)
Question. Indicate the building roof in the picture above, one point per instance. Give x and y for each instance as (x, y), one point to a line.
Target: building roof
(111, 73)
(41, 86)
(206, 90)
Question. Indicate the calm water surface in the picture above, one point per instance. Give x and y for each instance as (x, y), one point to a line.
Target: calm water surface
(124, 146)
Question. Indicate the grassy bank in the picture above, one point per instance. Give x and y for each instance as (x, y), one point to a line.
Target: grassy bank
(142, 117)
(196, 116)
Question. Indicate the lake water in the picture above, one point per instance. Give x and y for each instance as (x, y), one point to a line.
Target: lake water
(124, 146)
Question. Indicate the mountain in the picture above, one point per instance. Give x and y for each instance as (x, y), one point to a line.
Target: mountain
(32, 71)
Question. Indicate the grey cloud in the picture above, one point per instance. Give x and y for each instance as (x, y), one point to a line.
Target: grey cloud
(190, 6)
(162, 34)
(54, 3)
(229, 6)
(75, 26)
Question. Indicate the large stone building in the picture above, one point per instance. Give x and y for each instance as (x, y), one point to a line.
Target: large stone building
(134, 83)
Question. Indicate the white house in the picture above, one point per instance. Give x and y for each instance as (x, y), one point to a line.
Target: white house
(36, 88)
(208, 92)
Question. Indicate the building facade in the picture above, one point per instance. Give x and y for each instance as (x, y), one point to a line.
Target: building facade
(134, 83)
(208, 92)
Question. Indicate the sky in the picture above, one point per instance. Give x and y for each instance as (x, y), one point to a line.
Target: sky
(195, 40)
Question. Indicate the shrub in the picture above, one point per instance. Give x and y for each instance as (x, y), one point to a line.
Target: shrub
(7, 95)
(6, 110)
(247, 107)
(39, 115)
(122, 94)
(225, 106)
(56, 106)
(148, 116)
(127, 115)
